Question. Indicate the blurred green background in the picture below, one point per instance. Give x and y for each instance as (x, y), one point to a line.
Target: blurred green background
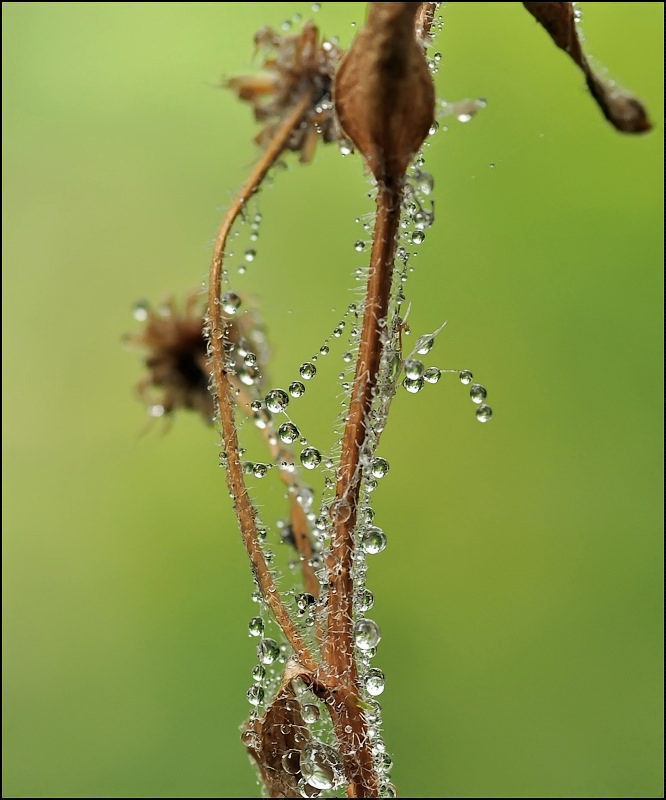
(520, 595)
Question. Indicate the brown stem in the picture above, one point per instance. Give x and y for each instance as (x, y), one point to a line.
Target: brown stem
(242, 504)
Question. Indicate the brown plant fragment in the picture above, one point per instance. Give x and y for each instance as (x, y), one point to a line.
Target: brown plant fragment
(384, 94)
(276, 740)
(622, 110)
(293, 66)
(177, 361)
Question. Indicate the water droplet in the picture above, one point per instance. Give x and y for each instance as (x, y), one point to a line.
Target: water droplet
(291, 762)
(374, 682)
(413, 368)
(250, 359)
(303, 601)
(387, 790)
(424, 344)
(379, 467)
(141, 310)
(255, 405)
(310, 713)
(156, 411)
(366, 634)
(412, 385)
(434, 128)
(310, 458)
(347, 357)
(432, 375)
(466, 377)
(250, 254)
(296, 389)
(260, 470)
(231, 302)
(321, 765)
(255, 694)
(418, 237)
(365, 599)
(256, 626)
(437, 56)
(324, 349)
(373, 540)
(276, 400)
(288, 432)
(484, 413)
(346, 147)
(307, 370)
(268, 651)
(359, 245)
(340, 510)
(258, 673)
(478, 393)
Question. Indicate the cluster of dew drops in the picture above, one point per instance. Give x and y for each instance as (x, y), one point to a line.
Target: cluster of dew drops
(320, 764)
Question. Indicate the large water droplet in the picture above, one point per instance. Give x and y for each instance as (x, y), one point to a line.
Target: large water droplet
(256, 626)
(379, 467)
(432, 375)
(310, 713)
(231, 302)
(321, 765)
(310, 457)
(255, 694)
(260, 470)
(424, 344)
(412, 385)
(250, 254)
(288, 432)
(277, 400)
(359, 245)
(308, 370)
(418, 237)
(291, 762)
(296, 389)
(365, 599)
(373, 540)
(466, 377)
(374, 682)
(268, 651)
(366, 634)
(478, 393)
(414, 368)
(258, 673)
(140, 310)
(484, 413)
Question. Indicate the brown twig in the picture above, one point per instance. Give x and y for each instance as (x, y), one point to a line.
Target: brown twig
(242, 504)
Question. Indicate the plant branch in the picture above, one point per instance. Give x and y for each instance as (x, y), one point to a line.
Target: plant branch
(235, 479)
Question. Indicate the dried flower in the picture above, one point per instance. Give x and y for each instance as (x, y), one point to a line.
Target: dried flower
(293, 65)
(178, 363)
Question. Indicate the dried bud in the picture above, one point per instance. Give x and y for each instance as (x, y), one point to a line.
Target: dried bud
(622, 110)
(384, 94)
(294, 65)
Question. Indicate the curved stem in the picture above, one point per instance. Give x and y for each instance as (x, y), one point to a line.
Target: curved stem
(244, 509)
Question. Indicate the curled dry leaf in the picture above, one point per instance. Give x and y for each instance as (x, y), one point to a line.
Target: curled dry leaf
(276, 740)
(384, 94)
(622, 110)
(293, 66)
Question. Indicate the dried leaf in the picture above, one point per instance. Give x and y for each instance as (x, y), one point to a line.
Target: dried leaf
(281, 732)
(622, 110)
(383, 92)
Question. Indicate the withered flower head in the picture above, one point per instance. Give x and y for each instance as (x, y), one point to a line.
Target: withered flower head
(293, 66)
(177, 359)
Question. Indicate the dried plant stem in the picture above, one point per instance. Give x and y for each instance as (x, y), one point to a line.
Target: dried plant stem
(348, 719)
(235, 479)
